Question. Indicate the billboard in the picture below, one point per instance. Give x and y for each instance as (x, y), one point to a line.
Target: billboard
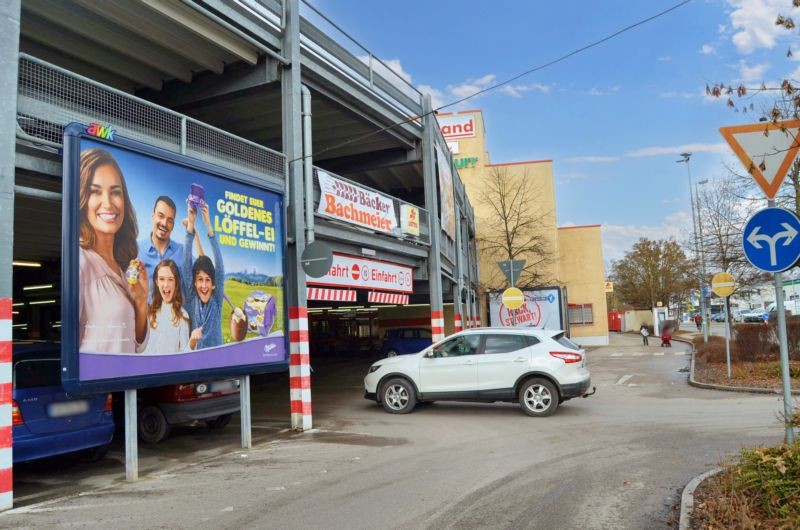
(447, 209)
(543, 309)
(172, 268)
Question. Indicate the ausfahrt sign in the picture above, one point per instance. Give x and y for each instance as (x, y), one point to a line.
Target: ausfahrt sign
(363, 273)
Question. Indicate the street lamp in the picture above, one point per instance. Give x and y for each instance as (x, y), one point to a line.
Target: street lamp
(695, 222)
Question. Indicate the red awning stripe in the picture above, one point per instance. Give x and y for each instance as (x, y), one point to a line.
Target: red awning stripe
(330, 295)
(387, 298)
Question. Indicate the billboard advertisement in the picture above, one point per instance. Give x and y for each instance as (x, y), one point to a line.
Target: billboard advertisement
(447, 210)
(173, 268)
(542, 309)
(363, 273)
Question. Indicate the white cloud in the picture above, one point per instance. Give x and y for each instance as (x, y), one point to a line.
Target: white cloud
(751, 73)
(572, 176)
(708, 49)
(437, 98)
(722, 29)
(471, 86)
(753, 23)
(591, 159)
(665, 58)
(675, 94)
(619, 239)
(594, 92)
(518, 90)
(721, 147)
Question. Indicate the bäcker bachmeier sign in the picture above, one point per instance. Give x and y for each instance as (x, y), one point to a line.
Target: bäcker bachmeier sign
(363, 273)
(353, 204)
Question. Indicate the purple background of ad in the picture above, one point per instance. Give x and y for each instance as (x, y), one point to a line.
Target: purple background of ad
(106, 366)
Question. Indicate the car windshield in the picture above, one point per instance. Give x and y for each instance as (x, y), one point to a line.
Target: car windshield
(562, 339)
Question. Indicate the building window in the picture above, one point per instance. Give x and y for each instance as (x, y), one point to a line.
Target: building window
(581, 314)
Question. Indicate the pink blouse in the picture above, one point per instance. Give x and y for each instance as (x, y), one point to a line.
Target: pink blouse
(106, 318)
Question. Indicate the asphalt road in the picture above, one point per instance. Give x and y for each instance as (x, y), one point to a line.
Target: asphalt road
(614, 460)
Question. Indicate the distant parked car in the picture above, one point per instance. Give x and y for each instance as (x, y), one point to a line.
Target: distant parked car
(753, 315)
(212, 402)
(718, 317)
(48, 422)
(400, 341)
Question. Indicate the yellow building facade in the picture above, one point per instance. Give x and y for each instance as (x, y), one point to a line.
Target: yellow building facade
(575, 258)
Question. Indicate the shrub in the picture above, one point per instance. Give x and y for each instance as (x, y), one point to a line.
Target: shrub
(713, 351)
(754, 342)
(771, 477)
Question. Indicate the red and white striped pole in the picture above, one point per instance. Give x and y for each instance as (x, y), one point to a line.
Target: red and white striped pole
(478, 321)
(6, 460)
(299, 369)
(437, 325)
(457, 323)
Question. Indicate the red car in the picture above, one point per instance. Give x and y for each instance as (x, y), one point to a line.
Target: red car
(159, 408)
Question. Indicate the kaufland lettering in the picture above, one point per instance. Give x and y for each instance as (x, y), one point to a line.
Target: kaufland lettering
(458, 126)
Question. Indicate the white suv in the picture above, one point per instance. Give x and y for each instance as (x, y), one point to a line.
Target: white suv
(537, 368)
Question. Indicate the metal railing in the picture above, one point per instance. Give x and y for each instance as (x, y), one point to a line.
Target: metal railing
(50, 98)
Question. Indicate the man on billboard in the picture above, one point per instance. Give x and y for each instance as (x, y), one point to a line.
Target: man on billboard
(159, 246)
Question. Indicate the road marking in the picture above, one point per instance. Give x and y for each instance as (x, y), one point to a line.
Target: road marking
(680, 353)
(659, 353)
(623, 379)
(639, 354)
(616, 355)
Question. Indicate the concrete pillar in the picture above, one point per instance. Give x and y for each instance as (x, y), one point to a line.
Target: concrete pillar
(299, 366)
(432, 205)
(9, 59)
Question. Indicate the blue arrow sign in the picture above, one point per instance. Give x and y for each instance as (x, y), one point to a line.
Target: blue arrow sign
(770, 239)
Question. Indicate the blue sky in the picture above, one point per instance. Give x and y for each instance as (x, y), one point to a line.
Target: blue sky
(614, 118)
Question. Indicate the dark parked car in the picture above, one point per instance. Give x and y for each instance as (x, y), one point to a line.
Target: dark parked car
(212, 402)
(401, 341)
(47, 421)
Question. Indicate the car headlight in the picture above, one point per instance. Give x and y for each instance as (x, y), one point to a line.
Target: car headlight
(374, 368)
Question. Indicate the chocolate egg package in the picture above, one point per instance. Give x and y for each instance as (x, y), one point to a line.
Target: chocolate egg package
(261, 310)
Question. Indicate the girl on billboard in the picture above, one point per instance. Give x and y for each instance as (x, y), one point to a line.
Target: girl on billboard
(168, 320)
(113, 285)
(203, 282)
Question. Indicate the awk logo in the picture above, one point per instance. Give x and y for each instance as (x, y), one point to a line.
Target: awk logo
(356, 272)
(106, 133)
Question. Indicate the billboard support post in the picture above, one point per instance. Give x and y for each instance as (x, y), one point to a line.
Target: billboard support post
(244, 397)
(291, 103)
(9, 53)
(131, 433)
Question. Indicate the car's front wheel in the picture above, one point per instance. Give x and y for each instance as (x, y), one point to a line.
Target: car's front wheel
(153, 426)
(538, 397)
(398, 396)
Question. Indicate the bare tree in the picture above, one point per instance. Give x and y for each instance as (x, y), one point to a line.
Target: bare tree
(514, 227)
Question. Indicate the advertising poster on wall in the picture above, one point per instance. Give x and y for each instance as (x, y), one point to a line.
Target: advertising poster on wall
(542, 309)
(173, 267)
(353, 204)
(447, 207)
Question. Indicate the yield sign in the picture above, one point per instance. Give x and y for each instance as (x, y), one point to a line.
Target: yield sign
(766, 149)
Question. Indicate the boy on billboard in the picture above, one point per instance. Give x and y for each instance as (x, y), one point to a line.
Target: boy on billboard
(203, 283)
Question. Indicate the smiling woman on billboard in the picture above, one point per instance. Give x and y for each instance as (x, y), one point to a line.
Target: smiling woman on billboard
(113, 310)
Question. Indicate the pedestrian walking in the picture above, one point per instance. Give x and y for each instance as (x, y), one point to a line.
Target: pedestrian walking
(698, 320)
(645, 333)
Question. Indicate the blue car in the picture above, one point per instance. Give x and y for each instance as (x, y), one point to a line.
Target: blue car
(48, 422)
(400, 341)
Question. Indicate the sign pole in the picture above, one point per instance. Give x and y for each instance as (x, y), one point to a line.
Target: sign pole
(784, 354)
(727, 337)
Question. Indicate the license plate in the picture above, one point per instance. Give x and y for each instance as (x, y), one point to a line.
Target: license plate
(224, 386)
(68, 408)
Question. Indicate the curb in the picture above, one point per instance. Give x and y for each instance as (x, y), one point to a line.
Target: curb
(687, 498)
